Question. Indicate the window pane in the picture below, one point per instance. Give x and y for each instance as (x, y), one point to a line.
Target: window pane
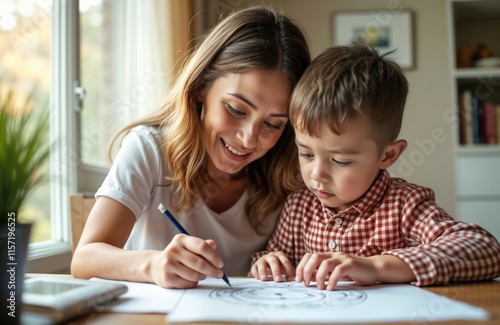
(25, 31)
(97, 128)
(125, 67)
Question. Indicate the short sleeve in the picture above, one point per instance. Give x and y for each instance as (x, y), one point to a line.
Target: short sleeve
(136, 171)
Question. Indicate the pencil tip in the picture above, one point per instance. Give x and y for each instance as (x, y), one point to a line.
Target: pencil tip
(225, 278)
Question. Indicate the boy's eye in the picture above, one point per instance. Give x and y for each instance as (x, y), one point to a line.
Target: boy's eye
(341, 163)
(305, 155)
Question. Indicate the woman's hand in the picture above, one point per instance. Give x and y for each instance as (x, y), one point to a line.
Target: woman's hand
(274, 264)
(185, 261)
(336, 266)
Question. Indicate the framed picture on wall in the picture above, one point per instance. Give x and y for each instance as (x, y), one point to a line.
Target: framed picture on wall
(386, 31)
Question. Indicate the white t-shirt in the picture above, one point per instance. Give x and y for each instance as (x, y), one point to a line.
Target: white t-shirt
(135, 180)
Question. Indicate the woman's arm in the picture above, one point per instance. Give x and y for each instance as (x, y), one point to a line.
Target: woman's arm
(99, 252)
(184, 262)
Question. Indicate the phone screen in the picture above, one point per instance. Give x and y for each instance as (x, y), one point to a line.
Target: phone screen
(49, 288)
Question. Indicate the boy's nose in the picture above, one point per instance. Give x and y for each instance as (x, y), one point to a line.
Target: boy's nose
(318, 172)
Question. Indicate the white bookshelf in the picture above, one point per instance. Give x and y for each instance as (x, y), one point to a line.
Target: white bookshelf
(477, 165)
(474, 73)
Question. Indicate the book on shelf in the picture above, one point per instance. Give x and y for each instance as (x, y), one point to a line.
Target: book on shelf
(477, 117)
(466, 118)
(489, 122)
(498, 122)
(479, 120)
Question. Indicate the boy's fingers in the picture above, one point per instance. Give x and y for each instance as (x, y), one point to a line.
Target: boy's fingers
(264, 276)
(254, 271)
(276, 268)
(274, 264)
(260, 269)
(332, 282)
(334, 278)
(287, 268)
(264, 272)
(322, 274)
(309, 272)
(299, 272)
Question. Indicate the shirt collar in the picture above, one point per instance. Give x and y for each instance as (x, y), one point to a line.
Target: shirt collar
(371, 197)
(374, 193)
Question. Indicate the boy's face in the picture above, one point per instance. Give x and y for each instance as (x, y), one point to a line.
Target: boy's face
(339, 169)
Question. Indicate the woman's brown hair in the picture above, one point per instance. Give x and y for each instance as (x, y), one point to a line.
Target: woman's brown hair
(255, 38)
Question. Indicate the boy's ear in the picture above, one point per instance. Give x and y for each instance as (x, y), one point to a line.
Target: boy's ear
(391, 153)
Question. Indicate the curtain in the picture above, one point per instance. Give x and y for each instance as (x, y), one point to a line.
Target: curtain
(148, 38)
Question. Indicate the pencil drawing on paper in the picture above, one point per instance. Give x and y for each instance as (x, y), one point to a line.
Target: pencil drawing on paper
(288, 295)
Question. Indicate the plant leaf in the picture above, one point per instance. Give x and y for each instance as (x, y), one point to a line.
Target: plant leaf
(24, 148)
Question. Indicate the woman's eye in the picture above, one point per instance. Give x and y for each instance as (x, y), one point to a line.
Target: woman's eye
(341, 163)
(234, 111)
(273, 126)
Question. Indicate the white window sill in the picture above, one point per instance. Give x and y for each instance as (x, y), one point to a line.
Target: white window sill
(49, 257)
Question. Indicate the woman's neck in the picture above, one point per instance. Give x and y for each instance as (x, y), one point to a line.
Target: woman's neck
(223, 190)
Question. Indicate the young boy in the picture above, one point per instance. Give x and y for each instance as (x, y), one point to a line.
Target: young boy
(355, 222)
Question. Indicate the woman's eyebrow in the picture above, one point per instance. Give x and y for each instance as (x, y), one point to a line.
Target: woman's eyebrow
(253, 106)
(243, 98)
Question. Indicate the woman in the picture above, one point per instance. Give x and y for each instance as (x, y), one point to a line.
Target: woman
(219, 154)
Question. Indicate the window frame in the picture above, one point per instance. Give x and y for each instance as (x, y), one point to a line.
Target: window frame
(69, 175)
(55, 255)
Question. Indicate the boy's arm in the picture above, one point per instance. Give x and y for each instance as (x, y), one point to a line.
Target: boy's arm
(287, 235)
(442, 249)
(286, 246)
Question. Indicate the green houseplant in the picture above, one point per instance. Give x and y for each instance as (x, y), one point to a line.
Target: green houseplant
(24, 148)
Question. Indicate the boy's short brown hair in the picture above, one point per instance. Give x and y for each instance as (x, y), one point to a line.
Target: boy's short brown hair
(348, 81)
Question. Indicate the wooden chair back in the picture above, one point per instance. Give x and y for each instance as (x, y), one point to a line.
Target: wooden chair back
(80, 206)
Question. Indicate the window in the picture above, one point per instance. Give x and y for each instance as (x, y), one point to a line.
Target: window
(25, 41)
(95, 62)
(124, 72)
(96, 65)
(31, 34)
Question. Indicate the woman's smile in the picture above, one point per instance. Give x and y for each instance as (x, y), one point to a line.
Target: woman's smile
(233, 153)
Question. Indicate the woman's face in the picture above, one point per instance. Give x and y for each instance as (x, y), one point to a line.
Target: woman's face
(243, 116)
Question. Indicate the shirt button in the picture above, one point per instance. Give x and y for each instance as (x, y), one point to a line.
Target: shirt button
(332, 244)
(338, 222)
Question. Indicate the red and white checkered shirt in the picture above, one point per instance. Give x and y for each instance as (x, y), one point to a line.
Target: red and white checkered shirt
(393, 217)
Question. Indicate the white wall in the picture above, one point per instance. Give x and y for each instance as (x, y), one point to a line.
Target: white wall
(428, 160)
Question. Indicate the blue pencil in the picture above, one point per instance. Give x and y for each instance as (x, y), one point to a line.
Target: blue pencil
(181, 229)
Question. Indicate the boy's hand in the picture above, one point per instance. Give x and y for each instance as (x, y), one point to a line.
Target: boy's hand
(333, 267)
(274, 264)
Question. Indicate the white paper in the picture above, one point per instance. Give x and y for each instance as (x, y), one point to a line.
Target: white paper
(253, 301)
(143, 298)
